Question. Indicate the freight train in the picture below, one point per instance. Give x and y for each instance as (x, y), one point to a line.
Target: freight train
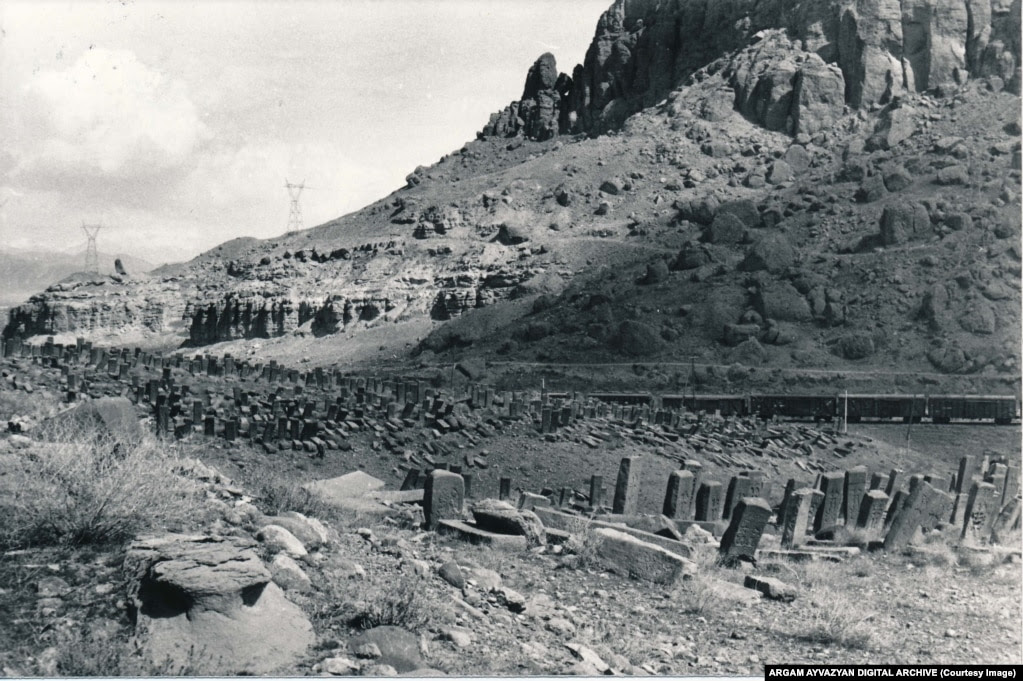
(1001, 409)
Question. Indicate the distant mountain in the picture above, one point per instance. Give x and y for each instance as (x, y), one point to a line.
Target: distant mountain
(23, 273)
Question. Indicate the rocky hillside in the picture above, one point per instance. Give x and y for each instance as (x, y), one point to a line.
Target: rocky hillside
(815, 184)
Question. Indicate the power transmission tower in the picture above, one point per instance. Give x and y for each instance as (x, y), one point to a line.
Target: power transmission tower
(91, 254)
(295, 214)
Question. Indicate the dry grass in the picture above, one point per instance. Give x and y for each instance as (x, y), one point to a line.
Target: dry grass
(87, 489)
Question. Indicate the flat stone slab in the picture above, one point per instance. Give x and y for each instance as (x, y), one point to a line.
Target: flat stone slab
(730, 591)
(351, 492)
(836, 555)
(474, 535)
(623, 553)
(411, 496)
(772, 588)
(575, 524)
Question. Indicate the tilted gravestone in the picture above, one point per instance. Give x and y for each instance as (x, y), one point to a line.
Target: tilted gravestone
(967, 469)
(740, 540)
(443, 497)
(981, 511)
(678, 497)
(626, 499)
(917, 511)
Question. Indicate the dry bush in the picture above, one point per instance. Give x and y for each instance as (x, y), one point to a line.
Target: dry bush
(20, 403)
(580, 548)
(838, 620)
(696, 596)
(277, 495)
(98, 655)
(400, 604)
(90, 489)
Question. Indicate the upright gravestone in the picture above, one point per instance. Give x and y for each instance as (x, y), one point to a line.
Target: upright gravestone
(708, 501)
(740, 540)
(797, 516)
(443, 497)
(696, 468)
(596, 491)
(852, 493)
(872, 510)
(738, 488)
(504, 489)
(876, 480)
(679, 495)
(790, 487)
(832, 484)
(626, 500)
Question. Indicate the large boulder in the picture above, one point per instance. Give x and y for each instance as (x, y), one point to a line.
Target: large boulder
(399, 648)
(781, 301)
(209, 604)
(901, 222)
(691, 256)
(637, 339)
(725, 229)
(772, 252)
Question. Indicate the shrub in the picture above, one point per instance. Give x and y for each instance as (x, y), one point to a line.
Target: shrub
(91, 490)
(277, 496)
(400, 604)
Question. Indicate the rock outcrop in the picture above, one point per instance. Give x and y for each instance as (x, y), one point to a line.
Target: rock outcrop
(198, 599)
(810, 59)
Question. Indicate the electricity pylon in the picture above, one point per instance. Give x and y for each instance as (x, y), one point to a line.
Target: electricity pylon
(91, 254)
(295, 213)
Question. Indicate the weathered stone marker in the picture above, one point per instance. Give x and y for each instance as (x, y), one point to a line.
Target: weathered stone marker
(696, 468)
(596, 491)
(872, 510)
(894, 483)
(832, 485)
(411, 480)
(981, 511)
(876, 480)
(916, 511)
(678, 497)
(443, 497)
(708, 501)
(852, 494)
(738, 488)
(740, 540)
(626, 500)
(797, 516)
(504, 491)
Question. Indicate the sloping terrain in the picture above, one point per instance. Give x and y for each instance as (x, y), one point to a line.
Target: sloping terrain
(778, 184)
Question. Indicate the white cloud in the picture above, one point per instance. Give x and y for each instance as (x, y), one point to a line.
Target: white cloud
(108, 116)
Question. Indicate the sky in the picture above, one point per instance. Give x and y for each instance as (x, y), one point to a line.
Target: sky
(176, 124)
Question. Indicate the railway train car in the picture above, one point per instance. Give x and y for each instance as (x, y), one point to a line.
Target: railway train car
(1001, 409)
(725, 405)
(881, 407)
(816, 407)
(623, 398)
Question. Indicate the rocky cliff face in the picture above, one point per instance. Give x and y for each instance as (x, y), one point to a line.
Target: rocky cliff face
(644, 49)
(788, 184)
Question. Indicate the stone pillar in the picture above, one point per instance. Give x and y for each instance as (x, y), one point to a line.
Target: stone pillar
(852, 493)
(696, 468)
(797, 516)
(505, 489)
(876, 480)
(626, 500)
(678, 497)
(1012, 482)
(872, 510)
(740, 540)
(443, 497)
(708, 501)
(211, 426)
